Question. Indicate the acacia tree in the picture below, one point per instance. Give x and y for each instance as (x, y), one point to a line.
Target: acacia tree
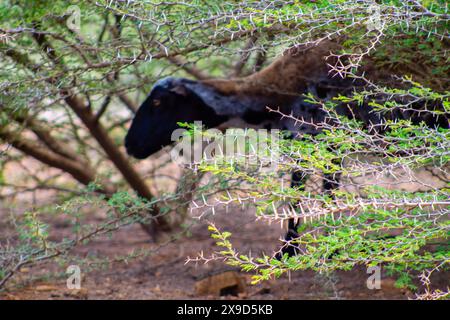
(43, 52)
(69, 87)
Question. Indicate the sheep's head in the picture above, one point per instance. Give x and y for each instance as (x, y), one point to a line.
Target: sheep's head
(172, 100)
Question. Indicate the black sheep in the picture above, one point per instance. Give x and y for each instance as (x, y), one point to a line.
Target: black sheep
(281, 85)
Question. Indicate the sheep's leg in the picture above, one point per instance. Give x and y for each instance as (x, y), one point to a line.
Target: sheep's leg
(291, 234)
(330, 183)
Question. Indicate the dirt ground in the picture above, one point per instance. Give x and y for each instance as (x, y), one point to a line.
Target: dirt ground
(165, 274)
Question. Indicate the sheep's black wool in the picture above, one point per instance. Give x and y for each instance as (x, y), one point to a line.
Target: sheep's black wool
(282, 85)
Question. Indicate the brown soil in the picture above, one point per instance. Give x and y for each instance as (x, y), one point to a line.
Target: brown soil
(165, 274)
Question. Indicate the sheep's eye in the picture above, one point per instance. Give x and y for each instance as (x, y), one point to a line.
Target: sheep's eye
(156, 102)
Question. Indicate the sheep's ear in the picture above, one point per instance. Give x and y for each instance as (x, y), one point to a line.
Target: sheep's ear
(229, 105)
(179, 89)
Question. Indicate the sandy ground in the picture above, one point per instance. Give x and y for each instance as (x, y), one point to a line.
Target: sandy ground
(165, 275)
